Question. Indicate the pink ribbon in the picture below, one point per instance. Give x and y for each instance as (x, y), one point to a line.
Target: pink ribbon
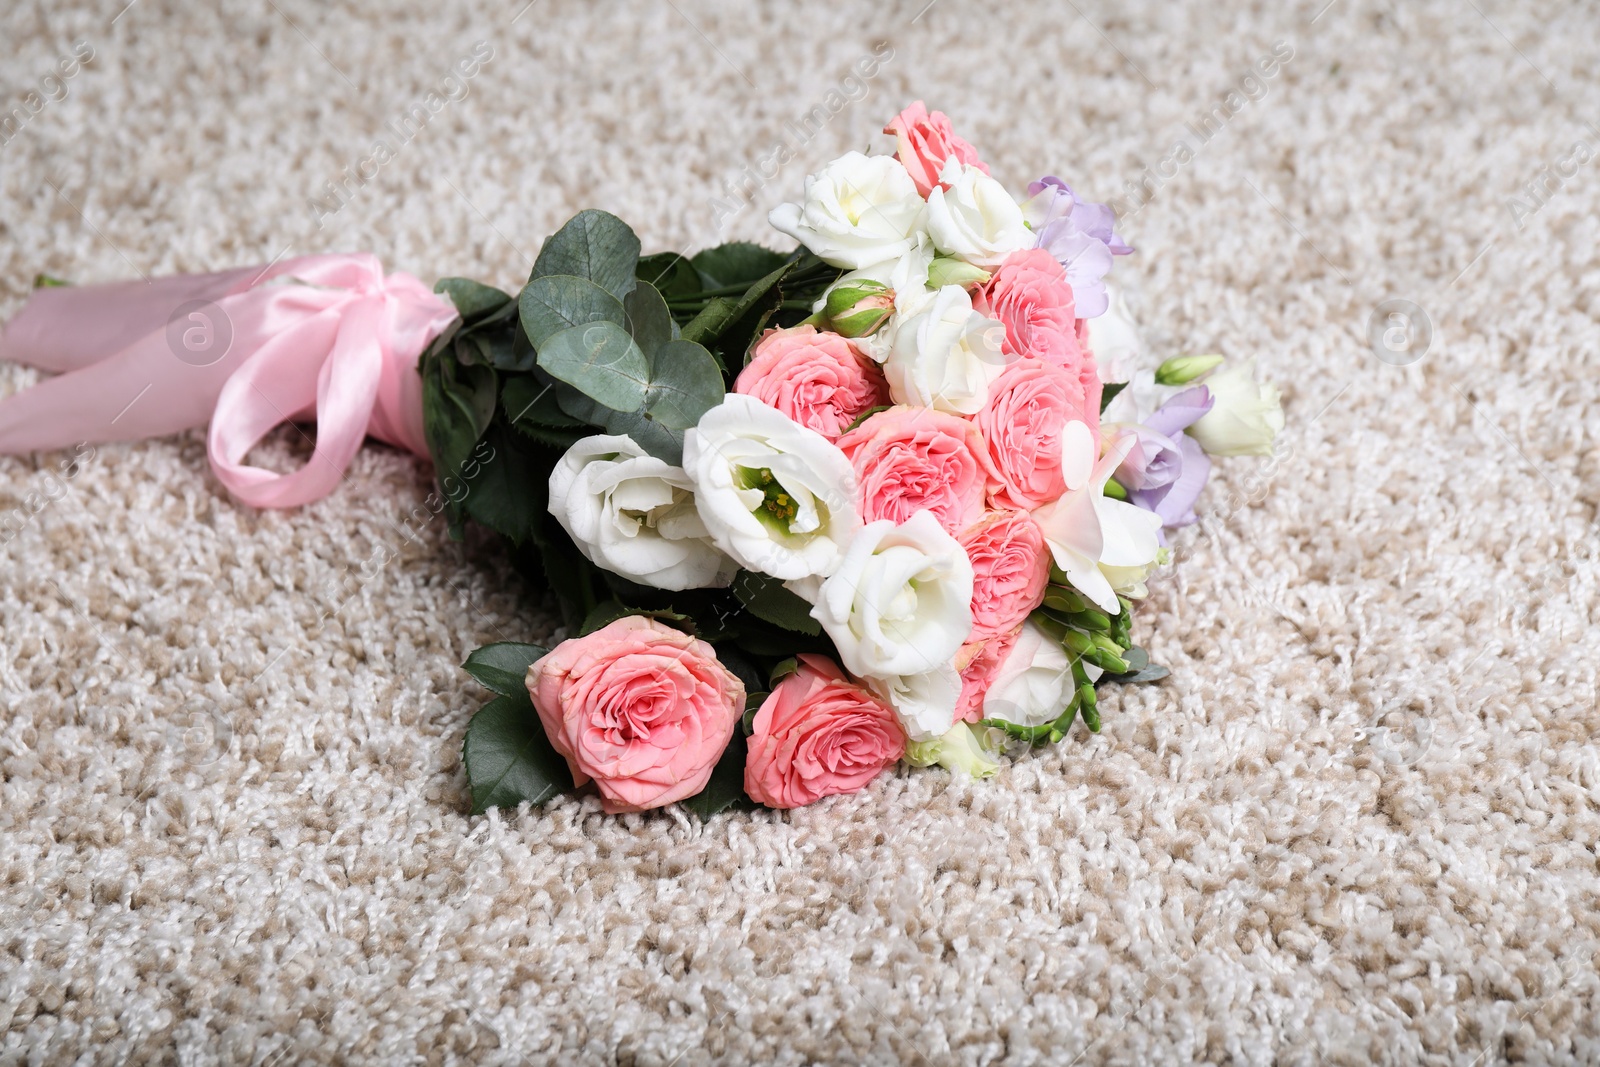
(143, 359)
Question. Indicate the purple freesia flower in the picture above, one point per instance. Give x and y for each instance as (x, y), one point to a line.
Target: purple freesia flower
(1080, 235)
(1167, 469)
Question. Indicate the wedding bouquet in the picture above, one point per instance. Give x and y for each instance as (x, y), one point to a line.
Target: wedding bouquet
(886, 497)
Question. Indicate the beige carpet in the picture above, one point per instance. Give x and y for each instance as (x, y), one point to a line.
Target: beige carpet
(1357, 825)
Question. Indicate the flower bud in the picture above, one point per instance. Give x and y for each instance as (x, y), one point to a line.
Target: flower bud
(958, 751)
(1245, 415)
(947, 270)
(858, 308)
(1181, 370)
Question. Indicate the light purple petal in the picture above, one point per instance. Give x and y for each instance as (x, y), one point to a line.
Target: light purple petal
(1181, 411)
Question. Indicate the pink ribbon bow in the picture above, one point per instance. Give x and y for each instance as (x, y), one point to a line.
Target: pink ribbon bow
(143, 359)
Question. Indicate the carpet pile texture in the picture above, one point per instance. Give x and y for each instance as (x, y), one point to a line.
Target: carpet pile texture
(1357, 825)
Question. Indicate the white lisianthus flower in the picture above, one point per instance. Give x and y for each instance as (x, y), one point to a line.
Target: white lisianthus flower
(900, 602)
(777, 497)
(924, 703)
(958, 750)
(1245, 416)
(1086, 530)
(975, 219)
(1114, 340)
(858, 211)
(944, 355)
(1034, 684)
(634, 515)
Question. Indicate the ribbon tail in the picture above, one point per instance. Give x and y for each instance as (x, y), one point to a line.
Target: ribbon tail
(67, 327)
(271, 389)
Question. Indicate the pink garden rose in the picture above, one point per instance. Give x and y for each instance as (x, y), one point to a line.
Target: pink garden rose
(1010, 569)
(918, 459)
(820, 380)
(817, 735)
(926, 141)
(1041, 427)
(979, 662)
(1030, 294)
(641, 708)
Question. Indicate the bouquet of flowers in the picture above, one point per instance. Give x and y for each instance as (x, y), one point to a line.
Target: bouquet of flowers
(887, 497)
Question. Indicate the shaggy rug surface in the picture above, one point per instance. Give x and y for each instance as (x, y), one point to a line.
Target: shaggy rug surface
(1357, 824)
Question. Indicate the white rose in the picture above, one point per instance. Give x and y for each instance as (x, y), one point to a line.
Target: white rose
(900, 601)
(1034, 684)
(1087, 530)
(857, 212)
(975, 219)
(924, 703)
(944, 354)
(777, 497)
(634, 515)
(1245, 417)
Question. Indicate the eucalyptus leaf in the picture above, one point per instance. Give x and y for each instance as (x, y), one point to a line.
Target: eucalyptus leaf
(503, 666)
(557, 302)
(601, 361)
(649, 321)
(509, 759)
(595, 245)
(684, 384)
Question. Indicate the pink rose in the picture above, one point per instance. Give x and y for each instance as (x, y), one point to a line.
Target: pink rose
(979, 662)
(643, 709)
(926, 141)
(817, 735)
(1010, 569)
(1041, 428)
(819, 380)
(1030, 294)
(918, 459)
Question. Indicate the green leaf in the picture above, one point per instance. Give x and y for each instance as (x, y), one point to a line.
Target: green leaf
(752, 705)
(448, 426)
(649, 321)
(601, 361)
(865, 415)
(595, 245)
(508, 759)
(736, 263)
(670, 273)
(503, 666)
(557, 302)
(726, 784)
(654, 438)
(712, 319)
(473, 300)
(526, 399)
(1109, 393)
(767, 599)
(684, 384)
(510, 492)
